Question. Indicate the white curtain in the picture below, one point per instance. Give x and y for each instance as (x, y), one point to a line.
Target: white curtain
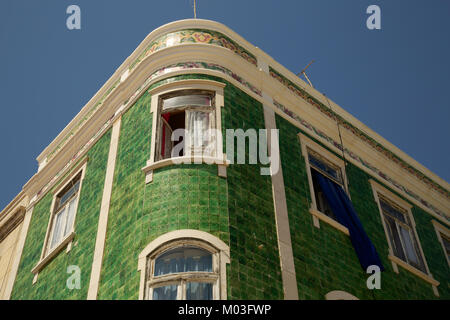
(59, 220)
(63, 223)
(199, 134)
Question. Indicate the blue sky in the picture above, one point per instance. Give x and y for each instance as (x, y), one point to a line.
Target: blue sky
(395, 80)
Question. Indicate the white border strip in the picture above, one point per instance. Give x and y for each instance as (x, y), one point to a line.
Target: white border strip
(104, 211)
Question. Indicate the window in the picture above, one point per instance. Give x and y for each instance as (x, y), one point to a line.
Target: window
(399, 226)
(184, 265)
(321, 166)
(401, 236)
(192, 111)
(64, 212)
(443, 235)
(182, 273)
(61, 226)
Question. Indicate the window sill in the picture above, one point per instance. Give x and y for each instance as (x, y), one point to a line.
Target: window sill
(414, 270)
(319, 215)
(54, 252)
(221, 162)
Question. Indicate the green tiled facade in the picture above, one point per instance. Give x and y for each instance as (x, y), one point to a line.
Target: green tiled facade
(51, 283)
(325, 259)
(238, 209)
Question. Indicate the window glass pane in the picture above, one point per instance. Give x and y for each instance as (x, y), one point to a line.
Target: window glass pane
(165, 293)
(412, 249)
(70, 216)
(199, 291)
(387, 208)
(394, 237)
(187, 100)
(66, 196)
(184, 259)
(325, 168)
(409, 246)
(57, 234)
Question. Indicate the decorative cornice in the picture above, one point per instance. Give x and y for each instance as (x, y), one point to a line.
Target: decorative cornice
(195, 36)
(357, 132)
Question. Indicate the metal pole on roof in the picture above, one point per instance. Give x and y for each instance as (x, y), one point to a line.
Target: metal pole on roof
(304, 73)
(335, 116)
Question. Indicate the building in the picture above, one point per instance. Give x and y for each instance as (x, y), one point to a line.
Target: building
(111, 215)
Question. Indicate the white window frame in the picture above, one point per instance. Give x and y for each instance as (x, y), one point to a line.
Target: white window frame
(186, 237)
(180, 279)
(215, 87)
(48, 253)
(377, 190)
(308, 144)
(441, 230)
(187, 109)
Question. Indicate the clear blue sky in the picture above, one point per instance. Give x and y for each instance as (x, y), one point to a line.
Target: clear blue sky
(395, 80)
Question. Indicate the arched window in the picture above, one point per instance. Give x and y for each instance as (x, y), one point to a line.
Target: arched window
(184, 265)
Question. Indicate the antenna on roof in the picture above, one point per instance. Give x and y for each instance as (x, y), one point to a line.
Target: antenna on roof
(304, 73)
(335, 116)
